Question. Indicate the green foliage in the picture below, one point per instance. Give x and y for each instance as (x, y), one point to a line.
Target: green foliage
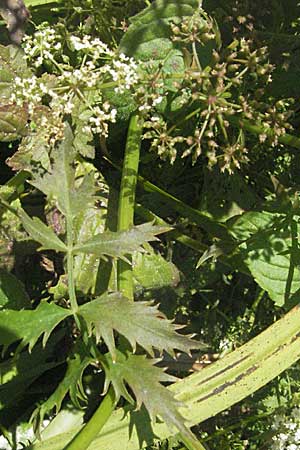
(141, 324)
(88, 291)
(28, 325)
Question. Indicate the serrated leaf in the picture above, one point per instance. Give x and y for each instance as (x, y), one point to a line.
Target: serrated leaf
(12, 292)
(71, 383)
(41, 233)
(28, 325)
(205, 393)
(13, 122)
(59, 182)
(152, 271)
(139, 322)
(145, 379)
(118, 244)
(270, 251)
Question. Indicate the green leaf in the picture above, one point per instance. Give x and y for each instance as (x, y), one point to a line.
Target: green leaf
(270, 251)
(152, 271)
(148, 39)
(12, 292)
(28, 325)
(118, 244)
(153, 24)
(41, 233)
(207, 392)
(145, 379)
(13, 122)
(140, 322)
(71, 383)
(59, 182)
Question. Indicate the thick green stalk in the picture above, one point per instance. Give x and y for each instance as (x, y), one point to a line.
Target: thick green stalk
(127, 196)
(86, 435)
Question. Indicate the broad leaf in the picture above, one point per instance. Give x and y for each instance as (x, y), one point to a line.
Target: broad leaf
(13, 122)
(118, 244)
(270, 251)
(29, 325)
(41, 233)
(149, 40)
(78, 360)
(140, 322)
(145, 379)
(32, 154)
(12, 292)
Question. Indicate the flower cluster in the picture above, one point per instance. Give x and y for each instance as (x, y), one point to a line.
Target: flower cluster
(230, 90)
(287, 429)
(96, 67)
(123, 71)
(98, 122)
(43, 45)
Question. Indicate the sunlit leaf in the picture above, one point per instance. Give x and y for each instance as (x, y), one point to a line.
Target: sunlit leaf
(41, 233)
(270, 250)
(29, 325)
(118, 244)
(140, 322)
(144, 379)
(12, 64)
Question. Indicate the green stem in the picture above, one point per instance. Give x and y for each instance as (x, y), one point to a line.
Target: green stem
(127, 197)
(191, 445)
(286, 139)
(212, 227)
(87, 434)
